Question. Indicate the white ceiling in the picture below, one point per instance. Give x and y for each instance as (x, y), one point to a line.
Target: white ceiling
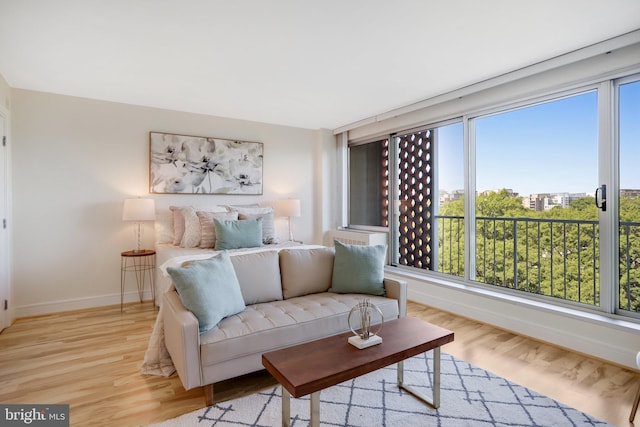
(312, 64)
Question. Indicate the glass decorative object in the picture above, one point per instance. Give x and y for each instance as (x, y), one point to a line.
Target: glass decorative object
(366, 337)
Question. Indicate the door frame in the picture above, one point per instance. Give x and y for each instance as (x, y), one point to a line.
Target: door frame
(5, 235)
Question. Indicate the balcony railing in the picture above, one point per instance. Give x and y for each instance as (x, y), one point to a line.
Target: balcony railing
(553, 257)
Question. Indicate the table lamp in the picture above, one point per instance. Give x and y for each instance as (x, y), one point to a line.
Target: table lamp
(289, 208)
(139, 210)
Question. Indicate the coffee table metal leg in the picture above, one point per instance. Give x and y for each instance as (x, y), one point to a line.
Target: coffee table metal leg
(435, 401)
(286, 407)
(315, 409)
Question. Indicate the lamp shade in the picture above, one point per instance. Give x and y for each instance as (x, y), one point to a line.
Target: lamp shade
(289, 207)
(139, 210)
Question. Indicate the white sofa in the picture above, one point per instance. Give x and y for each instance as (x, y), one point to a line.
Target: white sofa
(287, 303)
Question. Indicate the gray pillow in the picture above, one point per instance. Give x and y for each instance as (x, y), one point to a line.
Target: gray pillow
(209, 289)
(358, 269)
(230, 234)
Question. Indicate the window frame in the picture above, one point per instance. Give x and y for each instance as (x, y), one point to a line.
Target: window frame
(607, 90)
(361, 227)
(615, 85)
(603, 142)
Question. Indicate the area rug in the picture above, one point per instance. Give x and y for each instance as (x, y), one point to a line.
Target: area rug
(470, 396)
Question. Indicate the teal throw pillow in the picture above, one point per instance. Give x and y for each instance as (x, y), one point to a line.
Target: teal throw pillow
(235, 234)
(358, 269)
(209, 289)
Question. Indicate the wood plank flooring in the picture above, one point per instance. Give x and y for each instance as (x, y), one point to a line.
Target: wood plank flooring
(90, 359)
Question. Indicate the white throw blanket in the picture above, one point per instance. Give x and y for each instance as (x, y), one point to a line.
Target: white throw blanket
(157, 360)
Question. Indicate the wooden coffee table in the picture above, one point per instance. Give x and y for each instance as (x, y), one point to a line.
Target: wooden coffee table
(311, 367)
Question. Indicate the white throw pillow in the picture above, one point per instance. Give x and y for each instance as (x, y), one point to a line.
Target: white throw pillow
(178, 224)
(164, 226)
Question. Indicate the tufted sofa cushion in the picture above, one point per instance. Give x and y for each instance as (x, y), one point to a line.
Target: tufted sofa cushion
(265, 327)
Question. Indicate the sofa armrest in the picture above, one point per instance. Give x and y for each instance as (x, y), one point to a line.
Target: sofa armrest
(182, 339)
(397, 289)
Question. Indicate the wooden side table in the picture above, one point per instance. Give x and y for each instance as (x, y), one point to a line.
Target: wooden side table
(142, 263)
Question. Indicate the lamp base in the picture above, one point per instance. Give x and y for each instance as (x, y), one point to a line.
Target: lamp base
(361, 344)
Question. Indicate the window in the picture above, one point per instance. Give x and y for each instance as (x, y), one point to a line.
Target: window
(428, 187)
(506, 199)
(369, 184)
(536, 221)
(430, 233)
(629, 196)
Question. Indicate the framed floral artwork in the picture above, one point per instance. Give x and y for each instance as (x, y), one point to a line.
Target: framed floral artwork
(183, 164)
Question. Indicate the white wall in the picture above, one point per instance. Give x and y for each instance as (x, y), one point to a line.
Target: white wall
(74, 162)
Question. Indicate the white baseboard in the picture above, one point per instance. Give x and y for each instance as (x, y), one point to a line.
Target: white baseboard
(76, 304)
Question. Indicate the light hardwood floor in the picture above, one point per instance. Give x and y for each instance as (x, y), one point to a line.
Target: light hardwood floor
(90, 359)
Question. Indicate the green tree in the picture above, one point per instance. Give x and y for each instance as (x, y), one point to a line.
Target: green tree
(450, 230)
(629, 267)
(499, 204)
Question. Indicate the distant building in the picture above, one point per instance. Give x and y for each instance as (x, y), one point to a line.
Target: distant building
(571, 197)
(626, 192)
(547, 201)
(445, 196)
(536, 202)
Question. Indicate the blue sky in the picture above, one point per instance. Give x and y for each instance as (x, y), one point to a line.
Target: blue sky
(547, 148)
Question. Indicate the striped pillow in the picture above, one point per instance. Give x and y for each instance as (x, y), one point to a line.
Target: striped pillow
(268, 226)
(207, 227)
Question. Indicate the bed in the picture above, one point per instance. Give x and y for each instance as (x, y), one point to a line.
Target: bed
(186, 233)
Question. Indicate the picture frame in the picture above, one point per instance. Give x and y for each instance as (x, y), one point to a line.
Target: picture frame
(186, 164)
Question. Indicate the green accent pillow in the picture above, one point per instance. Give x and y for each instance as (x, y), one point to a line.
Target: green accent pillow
(209, 289)
(358, 269)
(235, 234)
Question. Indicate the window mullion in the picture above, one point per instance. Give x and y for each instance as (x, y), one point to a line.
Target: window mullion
(608, 219)
(469, 197)
(394, 197)
(342, 143)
